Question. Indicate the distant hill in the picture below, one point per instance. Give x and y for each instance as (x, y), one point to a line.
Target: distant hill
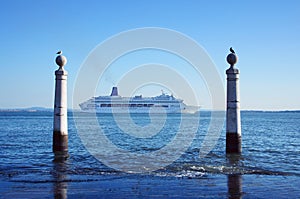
(31, 109)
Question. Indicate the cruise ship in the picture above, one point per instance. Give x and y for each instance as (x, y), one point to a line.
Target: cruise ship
(114, 103)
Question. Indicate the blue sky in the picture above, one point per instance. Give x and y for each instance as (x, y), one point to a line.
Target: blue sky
(265, 35)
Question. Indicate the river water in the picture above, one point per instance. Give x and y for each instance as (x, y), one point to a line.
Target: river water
(269, 166)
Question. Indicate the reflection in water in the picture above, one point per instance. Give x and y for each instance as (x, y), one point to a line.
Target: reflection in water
(60, 179)
(234, 181)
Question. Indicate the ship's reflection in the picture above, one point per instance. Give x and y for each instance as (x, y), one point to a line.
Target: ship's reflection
(60, 185)
(234, 181)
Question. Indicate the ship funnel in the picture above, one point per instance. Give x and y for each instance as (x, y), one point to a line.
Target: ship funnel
(114, 91)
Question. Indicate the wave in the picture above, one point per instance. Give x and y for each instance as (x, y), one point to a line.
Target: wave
(193, 171)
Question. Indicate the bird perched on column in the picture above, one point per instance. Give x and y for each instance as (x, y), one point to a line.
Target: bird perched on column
(231, 50)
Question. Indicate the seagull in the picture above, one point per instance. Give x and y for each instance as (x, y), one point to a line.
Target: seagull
(59, 52)
(231, 50)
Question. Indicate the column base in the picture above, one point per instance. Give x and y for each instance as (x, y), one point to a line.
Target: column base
(233, 143)
(60, 144)
(61, 156)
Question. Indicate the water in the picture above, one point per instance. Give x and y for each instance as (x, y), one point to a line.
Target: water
(269, 166)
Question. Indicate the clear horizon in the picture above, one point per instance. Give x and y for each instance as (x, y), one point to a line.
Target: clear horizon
(201, 109)
(264, 34)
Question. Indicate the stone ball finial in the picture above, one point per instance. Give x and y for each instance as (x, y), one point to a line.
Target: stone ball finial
(232, 58)
(60, 59)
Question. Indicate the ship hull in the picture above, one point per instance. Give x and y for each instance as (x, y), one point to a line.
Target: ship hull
(138, 104)
(132, 110)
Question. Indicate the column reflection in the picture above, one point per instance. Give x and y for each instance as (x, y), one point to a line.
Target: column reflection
(234, 184)
(59, 174)
(234, 180)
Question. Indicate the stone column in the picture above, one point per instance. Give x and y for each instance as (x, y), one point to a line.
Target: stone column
(233, 118)
(60, 124)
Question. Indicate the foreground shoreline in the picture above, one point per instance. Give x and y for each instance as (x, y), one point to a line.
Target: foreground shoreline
(140, 186)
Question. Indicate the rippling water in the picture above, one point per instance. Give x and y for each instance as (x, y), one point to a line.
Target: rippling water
(268, 167)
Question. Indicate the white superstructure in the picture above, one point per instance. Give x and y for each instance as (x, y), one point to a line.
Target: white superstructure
(116, 104)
